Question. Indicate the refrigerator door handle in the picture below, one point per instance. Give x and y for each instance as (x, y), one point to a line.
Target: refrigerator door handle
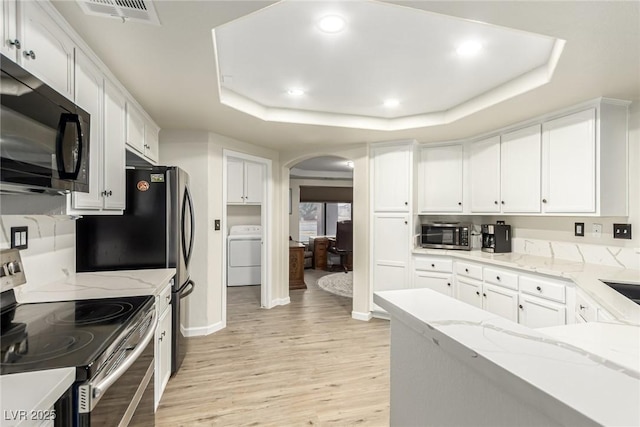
(187, 201)
(188, 288)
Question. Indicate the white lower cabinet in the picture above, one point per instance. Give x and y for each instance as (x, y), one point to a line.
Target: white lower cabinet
(162, 349)
(469, 291)
(539, 313)
(500, 301)
(439, 282)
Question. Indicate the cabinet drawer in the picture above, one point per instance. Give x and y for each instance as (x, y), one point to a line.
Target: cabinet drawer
(501, 278)
(164, 299)
(433, 264)
(542, 288)
(467, 269)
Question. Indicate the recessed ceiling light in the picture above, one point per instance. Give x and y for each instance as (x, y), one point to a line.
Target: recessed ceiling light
(469, 48)
(332, 24)
(295, 92)
(391, 103)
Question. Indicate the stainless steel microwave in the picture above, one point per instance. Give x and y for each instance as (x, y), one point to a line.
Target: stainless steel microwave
(446, 236)
(44, 137)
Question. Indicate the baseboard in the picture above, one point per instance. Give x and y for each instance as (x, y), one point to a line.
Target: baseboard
(199, 331)
(280, 301)
(381, 315)
(361, 316)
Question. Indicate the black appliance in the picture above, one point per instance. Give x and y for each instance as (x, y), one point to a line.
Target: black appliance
(45, 137)
(156, 231)
(496, 238)
(629, 290)
(108, 341)
(446, 236)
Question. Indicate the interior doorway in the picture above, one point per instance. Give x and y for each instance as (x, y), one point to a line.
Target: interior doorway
(321, 218)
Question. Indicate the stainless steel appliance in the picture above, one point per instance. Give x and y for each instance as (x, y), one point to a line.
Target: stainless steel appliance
(629, 290)
(496, 238)
(446, 236)
(45, 137)
(156, 231)
(108, 341)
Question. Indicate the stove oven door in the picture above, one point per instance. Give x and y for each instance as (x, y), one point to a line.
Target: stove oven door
(123, 392)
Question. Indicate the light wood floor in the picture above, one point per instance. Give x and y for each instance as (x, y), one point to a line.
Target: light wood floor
(306, 363)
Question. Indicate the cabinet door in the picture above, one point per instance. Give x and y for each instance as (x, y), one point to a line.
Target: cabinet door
(114, 147)
(485, 175)
(162, 355)
(569, 163)
(520, 170)
(151, 143)
(500, 301)
(235, 180)
(539, 313)
(442, 283)
(135, 128)
(9, 33)
(390, 252)
(440, 179)
(88, 95)
(469, 291)
(51, 50)
(253, 182)
(391, 178)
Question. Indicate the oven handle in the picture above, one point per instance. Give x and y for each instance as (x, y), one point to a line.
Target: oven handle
(101, 387)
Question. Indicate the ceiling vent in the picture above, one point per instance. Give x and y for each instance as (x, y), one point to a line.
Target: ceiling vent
(125, 10)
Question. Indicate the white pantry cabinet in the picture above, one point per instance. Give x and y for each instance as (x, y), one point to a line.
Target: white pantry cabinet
(244, 182)
(35, 41)
(392, 175)
(440, 179)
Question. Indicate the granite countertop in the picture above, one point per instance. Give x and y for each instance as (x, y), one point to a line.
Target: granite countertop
(605, 389)
(587, 277)
(101, 284)
(26, 399)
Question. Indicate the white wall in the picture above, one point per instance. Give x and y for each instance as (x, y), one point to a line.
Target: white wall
(243, 215)
(294, 184)
(201, 155)
(51, 255)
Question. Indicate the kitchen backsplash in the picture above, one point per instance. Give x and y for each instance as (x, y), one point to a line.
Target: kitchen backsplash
(613, 256)
(51, 254)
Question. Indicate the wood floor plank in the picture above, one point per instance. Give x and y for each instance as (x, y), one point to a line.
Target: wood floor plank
(304, 364)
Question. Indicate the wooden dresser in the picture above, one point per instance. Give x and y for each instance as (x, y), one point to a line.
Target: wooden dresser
(296, 266)
(320, 246)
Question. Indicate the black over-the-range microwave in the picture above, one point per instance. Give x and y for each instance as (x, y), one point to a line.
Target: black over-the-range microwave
(446, 236)
(44, 136)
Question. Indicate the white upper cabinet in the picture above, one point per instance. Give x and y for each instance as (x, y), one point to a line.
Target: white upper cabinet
(520, 153)
(151, 141)
(89, 96)
(392, 177)
(570, 163)
(244, 182)
(440, 174)
(45, 49)
(114, 148)
(10, 43)
(485, 175)
(135, 128)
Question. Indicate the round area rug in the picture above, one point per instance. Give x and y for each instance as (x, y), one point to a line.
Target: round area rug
(338, 283)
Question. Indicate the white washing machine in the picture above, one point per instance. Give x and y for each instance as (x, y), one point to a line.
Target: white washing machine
(244, 255)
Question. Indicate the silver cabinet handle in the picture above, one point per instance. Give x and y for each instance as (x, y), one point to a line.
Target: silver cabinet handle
(14, 42)
(30, 54)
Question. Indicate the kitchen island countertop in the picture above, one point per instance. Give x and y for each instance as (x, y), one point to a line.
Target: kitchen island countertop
(100, 284)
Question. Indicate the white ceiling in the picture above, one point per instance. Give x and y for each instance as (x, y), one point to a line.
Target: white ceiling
(384, 52)
(171, 69)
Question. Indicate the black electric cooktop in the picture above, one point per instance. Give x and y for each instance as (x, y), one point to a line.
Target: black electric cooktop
(64, 334)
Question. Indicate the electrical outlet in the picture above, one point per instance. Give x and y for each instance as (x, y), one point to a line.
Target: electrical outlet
(622, 231)
(20, 237)
(596, 230)
(578, 229)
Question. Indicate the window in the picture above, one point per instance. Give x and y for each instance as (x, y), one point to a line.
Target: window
(319, 219)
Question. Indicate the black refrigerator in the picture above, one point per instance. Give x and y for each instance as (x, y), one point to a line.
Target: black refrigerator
(156, 231)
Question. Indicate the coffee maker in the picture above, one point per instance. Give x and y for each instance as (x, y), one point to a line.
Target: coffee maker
(496, 238)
